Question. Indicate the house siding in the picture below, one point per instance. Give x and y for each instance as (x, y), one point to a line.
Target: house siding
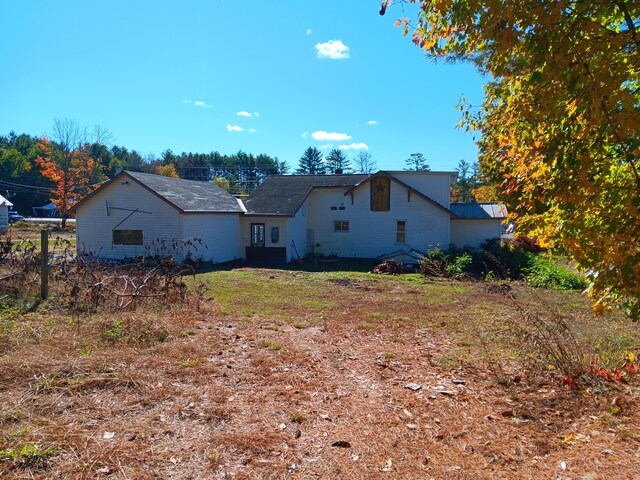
(94, 227)
(219, 233)
(436, 186)
(297, 232)
(474, 232)
(4, 218)
(372, 234)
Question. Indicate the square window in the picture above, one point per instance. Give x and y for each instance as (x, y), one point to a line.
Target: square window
(340, 225)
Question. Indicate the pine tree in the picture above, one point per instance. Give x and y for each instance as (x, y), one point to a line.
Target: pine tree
(337, 161)
(311, 163)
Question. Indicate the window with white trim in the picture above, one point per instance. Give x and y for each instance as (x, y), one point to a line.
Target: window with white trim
(401, 231)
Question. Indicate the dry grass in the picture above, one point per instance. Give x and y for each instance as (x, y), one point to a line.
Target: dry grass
(275, 367)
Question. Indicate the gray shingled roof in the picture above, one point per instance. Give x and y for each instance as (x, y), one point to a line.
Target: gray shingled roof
(479, 210)
(189, 195)
(284, 194)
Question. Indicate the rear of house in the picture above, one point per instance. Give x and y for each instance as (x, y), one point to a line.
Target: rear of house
(136, 214)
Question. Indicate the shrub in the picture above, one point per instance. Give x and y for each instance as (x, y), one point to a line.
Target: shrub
(459, 265)
(545, 273)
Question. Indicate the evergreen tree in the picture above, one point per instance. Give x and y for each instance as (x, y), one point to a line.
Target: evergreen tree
(311, 163)
(417, 163)
(337, 161)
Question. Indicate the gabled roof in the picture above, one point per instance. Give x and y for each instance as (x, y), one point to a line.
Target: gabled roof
(483, 210)
(188, 196)
(408, 187)
(285, 194)
(5, 202)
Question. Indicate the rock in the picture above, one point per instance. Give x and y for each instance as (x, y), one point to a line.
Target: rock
(388, 466)
(457, 382)
(341, 444)
(414, 387)
(447, 393)
(412, 426)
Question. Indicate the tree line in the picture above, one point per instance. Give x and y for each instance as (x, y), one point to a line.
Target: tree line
(74, 160)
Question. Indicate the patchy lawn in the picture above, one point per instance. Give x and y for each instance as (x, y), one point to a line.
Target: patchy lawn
(293, 374)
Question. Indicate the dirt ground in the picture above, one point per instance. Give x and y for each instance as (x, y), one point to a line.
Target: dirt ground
(282, 374)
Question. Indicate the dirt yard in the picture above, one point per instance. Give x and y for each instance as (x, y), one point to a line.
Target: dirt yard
(271, 374)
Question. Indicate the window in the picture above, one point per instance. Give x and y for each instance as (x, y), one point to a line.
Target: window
(128, 237)
(257, 234)
(401, 230)
(340, 225)
(380, 194)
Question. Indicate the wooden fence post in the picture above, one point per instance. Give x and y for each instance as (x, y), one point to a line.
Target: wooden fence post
(44, 263)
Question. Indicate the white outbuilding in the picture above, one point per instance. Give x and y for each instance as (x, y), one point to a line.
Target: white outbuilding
(137, 214)
(4, 213)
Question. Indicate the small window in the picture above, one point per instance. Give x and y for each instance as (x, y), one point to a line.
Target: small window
(401, 230)
(334, 208)
(128, 237)
(340, 226)
(257, 234)
(340, 208)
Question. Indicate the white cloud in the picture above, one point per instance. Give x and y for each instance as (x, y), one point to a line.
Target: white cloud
(234, 128)
(244, 114)
(354, 146)
(305, 134)
(308, 31)
(333, 49)
(256, 114)
(331, 136)
(372, 122)
(252, 130)
(197, 103)
(326, 146)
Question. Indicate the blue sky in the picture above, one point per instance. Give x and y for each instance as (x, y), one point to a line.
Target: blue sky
(227, 75)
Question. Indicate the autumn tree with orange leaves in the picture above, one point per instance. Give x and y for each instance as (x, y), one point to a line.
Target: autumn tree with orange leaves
(66, 161)
(559, 126)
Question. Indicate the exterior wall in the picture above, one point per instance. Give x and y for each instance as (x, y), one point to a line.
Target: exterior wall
(94, 226)
(297, 232)
(436, 186)
(372, 234)
(220, 235)
(474, 232)
(269, 223)
(4, 218)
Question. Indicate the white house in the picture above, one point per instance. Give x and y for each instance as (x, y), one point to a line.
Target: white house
(390, 214)
(136, 214)
(4, 213)
(361, 216)
(476, 223)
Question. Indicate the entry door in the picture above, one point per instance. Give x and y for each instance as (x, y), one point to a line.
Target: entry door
(257, 234)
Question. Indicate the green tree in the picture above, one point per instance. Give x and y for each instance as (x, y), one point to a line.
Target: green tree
(337, 161)
(417, 163)
(461, 190)
(559, 123)
(311, 163)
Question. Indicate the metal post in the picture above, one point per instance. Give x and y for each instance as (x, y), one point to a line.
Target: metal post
(44, 264)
